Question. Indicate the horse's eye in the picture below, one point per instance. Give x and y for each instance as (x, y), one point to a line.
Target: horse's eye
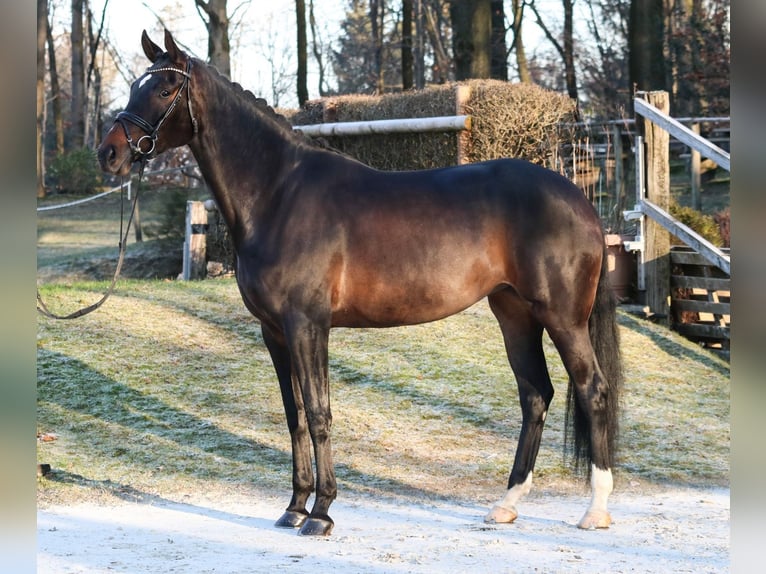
(165, 93)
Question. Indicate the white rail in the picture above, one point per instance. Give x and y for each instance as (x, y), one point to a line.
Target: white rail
(408, 125)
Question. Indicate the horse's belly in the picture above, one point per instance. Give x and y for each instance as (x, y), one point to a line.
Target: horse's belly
(387, 300)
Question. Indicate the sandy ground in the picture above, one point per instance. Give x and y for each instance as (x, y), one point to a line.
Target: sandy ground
(673, 530)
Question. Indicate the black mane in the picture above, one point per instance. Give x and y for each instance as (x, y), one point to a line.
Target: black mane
(263, 109)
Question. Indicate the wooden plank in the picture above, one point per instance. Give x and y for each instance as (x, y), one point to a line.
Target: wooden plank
(681, 132)
(701, 306)
(695, 330)
(690, 258)
(709, 283)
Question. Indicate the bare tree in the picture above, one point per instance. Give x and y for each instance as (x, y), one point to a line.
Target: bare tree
(498, 63)
(471, 38)
(55, 90)
(407, 59)
(518, 43)
(318, 50)
(93, 76)
(214, 15)
(377, 15)
(435, 24)
(302, 77)
(42, 25)
(281, 63)
(646, 34)
(77, 110)
(565, 48)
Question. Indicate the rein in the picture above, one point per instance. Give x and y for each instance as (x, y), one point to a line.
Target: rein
(43, 309)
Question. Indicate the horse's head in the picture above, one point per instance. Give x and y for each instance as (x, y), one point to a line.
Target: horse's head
(153, 121)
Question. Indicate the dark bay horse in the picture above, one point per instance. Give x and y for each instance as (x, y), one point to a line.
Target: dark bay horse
(324, 241)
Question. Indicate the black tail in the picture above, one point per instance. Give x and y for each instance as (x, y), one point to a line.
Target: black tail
(605, 339)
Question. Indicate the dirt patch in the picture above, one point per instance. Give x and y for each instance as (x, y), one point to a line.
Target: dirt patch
(666, 530)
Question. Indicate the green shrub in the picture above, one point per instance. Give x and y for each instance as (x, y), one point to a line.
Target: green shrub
(171, 221)
(76, 171)
(703, 224)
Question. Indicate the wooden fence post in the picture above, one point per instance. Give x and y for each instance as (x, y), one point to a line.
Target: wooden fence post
(194, 264)
(657, 238)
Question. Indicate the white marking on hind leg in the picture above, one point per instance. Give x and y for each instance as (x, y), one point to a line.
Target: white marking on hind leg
(597, 515)
(505, 510)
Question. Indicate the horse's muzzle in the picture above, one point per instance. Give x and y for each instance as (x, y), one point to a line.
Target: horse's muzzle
(114, 158)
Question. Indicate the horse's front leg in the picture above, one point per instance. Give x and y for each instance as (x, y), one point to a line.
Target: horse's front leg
(308, 342)
(303, 476)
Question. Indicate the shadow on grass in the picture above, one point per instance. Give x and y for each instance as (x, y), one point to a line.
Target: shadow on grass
(114, 421)
(663, 338)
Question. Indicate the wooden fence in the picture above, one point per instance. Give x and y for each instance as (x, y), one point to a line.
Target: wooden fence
(655, 226)
(700, 298)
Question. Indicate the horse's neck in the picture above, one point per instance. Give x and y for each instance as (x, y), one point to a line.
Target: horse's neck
(241, 154)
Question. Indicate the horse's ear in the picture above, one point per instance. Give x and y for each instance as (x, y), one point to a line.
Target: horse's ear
(152, 50)
(174, 52)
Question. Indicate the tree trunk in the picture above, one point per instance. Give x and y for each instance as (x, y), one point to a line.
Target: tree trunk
(58, 116)
(407, 60)
(646, 31)
(217, 24)
(376, 19)
(471, 38)
(569, 64)
(42, 25)
(518, 43)
(77, 116)
(302, 80)
(316, 47)
(442, 60)
(419, 63)
(499, 51)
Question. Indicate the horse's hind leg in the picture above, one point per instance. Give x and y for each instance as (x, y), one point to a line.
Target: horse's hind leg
(593, 401)
(303, 477)
(522, 334)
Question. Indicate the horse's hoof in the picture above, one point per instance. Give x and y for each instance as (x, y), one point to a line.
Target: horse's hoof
(500, 515)
(291, 519)
(595, 519)
(317, 526)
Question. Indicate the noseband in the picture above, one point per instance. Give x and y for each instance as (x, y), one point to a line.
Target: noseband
(152, 130)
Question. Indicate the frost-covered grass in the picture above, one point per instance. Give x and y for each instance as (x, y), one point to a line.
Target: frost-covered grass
(168, 388)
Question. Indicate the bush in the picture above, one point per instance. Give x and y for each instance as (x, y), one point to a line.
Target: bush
(171, 221)
(76, 171)
(703, 224)
(509, 120)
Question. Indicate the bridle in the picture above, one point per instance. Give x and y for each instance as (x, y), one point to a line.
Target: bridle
(138, 155)
(152, 131)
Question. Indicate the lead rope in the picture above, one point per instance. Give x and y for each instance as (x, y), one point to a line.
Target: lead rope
(42, 308)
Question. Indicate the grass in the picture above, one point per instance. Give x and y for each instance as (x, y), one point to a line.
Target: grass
(169, 387)
(168, 390)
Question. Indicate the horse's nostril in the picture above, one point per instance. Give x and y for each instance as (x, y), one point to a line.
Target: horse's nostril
(107, 155)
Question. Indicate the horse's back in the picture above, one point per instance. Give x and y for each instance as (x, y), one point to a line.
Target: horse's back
(421, 245)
